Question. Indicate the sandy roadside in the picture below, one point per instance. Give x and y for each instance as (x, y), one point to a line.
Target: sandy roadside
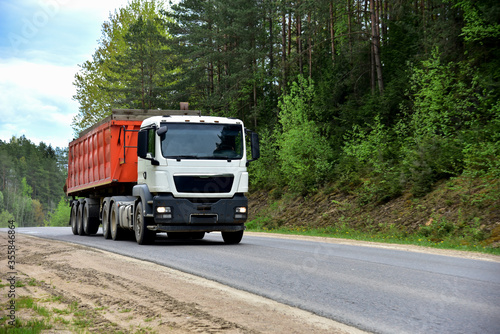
(114, 293)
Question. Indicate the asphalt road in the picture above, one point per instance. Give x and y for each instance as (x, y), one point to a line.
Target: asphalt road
(374, 289)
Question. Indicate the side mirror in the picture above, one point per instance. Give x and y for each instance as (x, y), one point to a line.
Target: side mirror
(255, 149)
(161, 131)
(254, 139)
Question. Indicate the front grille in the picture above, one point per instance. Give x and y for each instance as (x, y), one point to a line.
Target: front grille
(205, 185)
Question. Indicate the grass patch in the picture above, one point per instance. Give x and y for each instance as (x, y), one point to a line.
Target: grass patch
(126, 310)
(43, 317)
(24, 302)
(20, 284)
(34, 326)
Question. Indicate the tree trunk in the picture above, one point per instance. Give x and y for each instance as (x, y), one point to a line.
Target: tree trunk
(376, 45)
(385, 19)
(332, 33)
(299, 38)
(283, 48)
(349, 37)
(289, 34)
(309, 42)
(210, 78)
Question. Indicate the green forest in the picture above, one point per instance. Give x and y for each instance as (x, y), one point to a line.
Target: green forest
(382, 96)
(371, 100)
(32, 178)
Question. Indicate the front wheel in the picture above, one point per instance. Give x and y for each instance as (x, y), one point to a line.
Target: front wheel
(232, 238)
(143, 235)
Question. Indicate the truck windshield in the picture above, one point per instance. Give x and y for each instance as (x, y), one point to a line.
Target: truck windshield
(202, 141)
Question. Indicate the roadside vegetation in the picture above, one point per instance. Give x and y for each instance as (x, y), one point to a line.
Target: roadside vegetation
(370, 104)
(455, 215)
(31, 183)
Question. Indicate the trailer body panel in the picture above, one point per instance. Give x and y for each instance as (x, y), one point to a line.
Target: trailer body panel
(103, 157)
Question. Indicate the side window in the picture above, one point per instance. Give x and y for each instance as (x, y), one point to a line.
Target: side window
(151, 142)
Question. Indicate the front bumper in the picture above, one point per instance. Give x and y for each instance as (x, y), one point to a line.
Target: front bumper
(190, 215)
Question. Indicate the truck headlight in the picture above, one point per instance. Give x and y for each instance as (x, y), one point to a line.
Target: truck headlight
(164, 212)
(240, 212)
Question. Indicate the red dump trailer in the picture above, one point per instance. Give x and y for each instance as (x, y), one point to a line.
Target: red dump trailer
(102, 158)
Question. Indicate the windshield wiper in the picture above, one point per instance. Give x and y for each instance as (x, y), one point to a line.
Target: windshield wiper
(179, 157)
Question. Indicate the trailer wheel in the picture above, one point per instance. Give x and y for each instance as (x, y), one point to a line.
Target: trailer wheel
(143, 236)
(73, 218)
(90, 224)
(105, 221)
(79, 219)
(232, 238)
(117, 233)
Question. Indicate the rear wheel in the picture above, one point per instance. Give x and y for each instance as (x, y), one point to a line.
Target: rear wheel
(117, 233)
(106, 231)
(232, 237)
(89, 220)
(143, 235)
(73, 218)
(79, 219)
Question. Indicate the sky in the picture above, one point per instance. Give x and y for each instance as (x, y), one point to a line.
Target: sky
(42, 42)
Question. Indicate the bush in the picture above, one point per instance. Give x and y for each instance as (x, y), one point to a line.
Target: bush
(303, 153)
(373, 149)
(437, 123)
(60, 216)
(265, 172)
(5, 217)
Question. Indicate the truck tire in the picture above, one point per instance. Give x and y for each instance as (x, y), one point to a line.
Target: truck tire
(232, 238)
(106, 231)
(90, 223)
(74, 218)
(143, 236)
(79, 219)
(117, 232)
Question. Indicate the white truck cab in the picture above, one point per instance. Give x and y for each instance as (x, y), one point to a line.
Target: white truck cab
(192, 174)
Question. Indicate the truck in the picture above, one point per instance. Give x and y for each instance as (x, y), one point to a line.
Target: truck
(143, 172)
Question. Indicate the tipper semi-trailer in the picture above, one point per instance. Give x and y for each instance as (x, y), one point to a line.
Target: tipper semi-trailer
(151, 171)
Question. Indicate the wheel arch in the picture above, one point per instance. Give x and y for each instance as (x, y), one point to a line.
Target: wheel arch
(142, 193)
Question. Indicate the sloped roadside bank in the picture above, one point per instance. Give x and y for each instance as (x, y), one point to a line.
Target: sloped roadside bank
(71, 288)
(456, 214)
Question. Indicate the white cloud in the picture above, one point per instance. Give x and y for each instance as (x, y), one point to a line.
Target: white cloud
(41, 44)
(36, 101)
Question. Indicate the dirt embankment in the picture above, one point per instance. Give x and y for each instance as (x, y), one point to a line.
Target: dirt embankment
(454, 205)
(80, 289)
